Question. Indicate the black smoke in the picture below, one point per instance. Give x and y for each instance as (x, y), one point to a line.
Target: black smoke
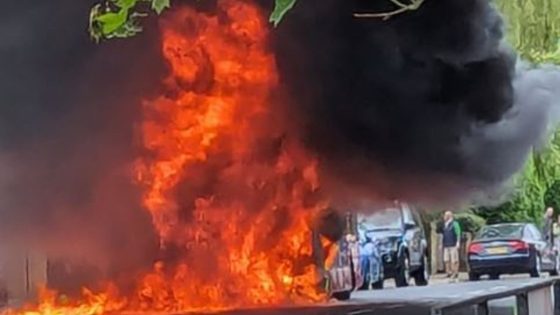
(67, 113)
(429, 106)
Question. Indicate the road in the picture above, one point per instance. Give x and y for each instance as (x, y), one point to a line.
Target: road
(441, 292)
(412, 300)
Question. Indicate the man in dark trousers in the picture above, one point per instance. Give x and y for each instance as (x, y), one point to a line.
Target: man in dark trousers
(451, 245)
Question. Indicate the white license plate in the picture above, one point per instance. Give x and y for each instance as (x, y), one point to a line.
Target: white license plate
(497, 250)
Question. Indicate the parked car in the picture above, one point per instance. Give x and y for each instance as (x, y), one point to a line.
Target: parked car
(343, 275)
(511, 248)
(399, 238)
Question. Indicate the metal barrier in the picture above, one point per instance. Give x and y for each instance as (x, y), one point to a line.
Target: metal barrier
(541, 298)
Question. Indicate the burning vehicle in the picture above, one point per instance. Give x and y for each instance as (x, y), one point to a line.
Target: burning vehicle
(248, 137)
(225, 183)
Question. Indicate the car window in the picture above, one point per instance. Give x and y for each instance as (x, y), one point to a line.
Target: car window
(417, 217)
(528, 233)
(420, 223)
(386, 219)
(501, 231)
(536, 233)
(407, 216)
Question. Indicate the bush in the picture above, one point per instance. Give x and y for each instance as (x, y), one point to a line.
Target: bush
(470, 222)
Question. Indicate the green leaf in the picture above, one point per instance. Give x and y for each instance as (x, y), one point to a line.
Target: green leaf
(128, 29)
(281, 7)
(125, 4)
(160, 5)
(112, 21)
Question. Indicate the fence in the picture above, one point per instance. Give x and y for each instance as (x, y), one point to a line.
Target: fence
(20, 272)
(539, 298)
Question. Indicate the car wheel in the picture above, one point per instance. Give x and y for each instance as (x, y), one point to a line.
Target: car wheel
(342, 295)
(556, 270)
(378, 285)
(401, 279)
(421, 276)
(536, 268)
(473, 276)
(364, 286)
(345, 295)
(494, 276)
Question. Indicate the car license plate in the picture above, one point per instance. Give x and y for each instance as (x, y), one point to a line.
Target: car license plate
(497, 250)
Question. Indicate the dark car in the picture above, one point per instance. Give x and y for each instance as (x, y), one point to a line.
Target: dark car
(401, 243)
(511, 248)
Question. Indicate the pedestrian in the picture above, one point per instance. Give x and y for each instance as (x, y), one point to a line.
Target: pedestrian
(451, 245)
(548, 225)
(556, 234)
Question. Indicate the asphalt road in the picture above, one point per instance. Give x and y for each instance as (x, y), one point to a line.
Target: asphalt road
(411, 300)
(441, 292)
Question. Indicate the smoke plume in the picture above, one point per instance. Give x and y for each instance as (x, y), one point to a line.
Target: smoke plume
(67, 114)
(430, 106)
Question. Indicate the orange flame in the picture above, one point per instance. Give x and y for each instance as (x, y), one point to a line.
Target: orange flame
(238, 211)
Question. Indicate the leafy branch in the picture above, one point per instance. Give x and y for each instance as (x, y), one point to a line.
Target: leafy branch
(401, 8)
(120, 18)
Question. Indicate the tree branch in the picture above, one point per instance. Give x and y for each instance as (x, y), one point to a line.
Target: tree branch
(401, 8)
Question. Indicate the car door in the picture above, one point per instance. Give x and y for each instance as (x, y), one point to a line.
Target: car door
(423, 240)
(544, 247)
(532, 238)
(413, 236)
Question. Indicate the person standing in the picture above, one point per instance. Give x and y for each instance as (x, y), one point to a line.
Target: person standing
(556, 234)
(548, 225)
(451, 245)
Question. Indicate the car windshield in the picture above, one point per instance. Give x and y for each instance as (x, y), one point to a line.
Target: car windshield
(387, 219)
(501, 231)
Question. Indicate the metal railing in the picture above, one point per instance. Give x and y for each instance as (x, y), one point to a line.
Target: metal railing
(541, 298)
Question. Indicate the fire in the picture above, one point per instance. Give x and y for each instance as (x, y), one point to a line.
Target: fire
(245, 228)
(223, 184)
